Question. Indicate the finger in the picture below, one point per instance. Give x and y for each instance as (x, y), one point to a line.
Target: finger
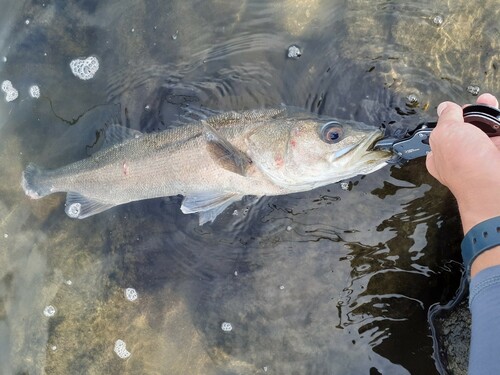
(449, 113)
(429, 164)
(487, 99)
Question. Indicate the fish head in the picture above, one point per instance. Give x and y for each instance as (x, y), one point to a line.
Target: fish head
(304, 153)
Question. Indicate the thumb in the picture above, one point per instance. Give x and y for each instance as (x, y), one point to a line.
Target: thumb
(449, 113)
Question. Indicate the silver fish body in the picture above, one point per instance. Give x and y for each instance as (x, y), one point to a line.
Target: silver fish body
(213, 162)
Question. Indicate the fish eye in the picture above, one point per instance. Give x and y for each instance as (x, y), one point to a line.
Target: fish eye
(332, 132)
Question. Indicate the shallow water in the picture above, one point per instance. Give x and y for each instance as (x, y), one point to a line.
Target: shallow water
(327, 281)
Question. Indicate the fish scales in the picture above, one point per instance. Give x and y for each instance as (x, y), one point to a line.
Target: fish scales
(213, 162)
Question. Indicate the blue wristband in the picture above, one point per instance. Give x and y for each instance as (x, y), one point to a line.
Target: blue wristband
(480, 238)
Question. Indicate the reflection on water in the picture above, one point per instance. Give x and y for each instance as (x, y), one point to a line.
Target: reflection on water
(327, 281)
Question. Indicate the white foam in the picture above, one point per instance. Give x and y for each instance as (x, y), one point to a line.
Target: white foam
(85, 68)
(10, 92)
(130, 294)
(74, 210)
(35, 91)
(121, 349)
(226, 327)
(294, 52)
(49, 311)
(344, 185)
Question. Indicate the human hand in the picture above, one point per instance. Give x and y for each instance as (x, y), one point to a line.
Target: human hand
(467, 161)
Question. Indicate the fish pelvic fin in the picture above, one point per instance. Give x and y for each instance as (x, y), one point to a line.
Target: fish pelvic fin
(79, 207)
(35, 182)
(208, 205)
(224, 153)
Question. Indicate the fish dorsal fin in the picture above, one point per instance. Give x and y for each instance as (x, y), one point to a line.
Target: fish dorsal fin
(255, 115)
(80, 207)
(209, 205)
(224, 153)
(116, 134)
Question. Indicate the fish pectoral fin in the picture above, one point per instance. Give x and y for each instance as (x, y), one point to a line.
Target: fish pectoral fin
(224, 153)
(80, 207)
(208, 205)
(115, 134)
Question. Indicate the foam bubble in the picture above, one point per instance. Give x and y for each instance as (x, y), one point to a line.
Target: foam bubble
(294, 52)
(121, 349)
(438, 20)
(85, 68)
(10, 92)
(473, 89)
(74, 210)
(130, 294)
(344, 185)
(35, 91)
(226, 327)
(49, 311)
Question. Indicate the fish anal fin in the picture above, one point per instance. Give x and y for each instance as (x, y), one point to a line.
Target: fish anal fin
(224, 153)
(208, 205)
(79, 207)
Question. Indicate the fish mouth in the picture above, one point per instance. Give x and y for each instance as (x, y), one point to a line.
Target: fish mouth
(370, 142)
(365, 149)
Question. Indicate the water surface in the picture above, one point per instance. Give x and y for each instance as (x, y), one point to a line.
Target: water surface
(323, 282)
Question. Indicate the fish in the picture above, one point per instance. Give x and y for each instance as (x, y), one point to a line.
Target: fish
(213, 162)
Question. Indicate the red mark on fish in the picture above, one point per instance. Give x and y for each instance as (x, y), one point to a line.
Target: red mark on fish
(278, 160)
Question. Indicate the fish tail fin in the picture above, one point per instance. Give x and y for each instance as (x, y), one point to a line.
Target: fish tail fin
(34, 182)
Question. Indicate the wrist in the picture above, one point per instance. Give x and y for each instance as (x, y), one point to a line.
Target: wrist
(481, 246)
(477, 210)
(485, 260)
